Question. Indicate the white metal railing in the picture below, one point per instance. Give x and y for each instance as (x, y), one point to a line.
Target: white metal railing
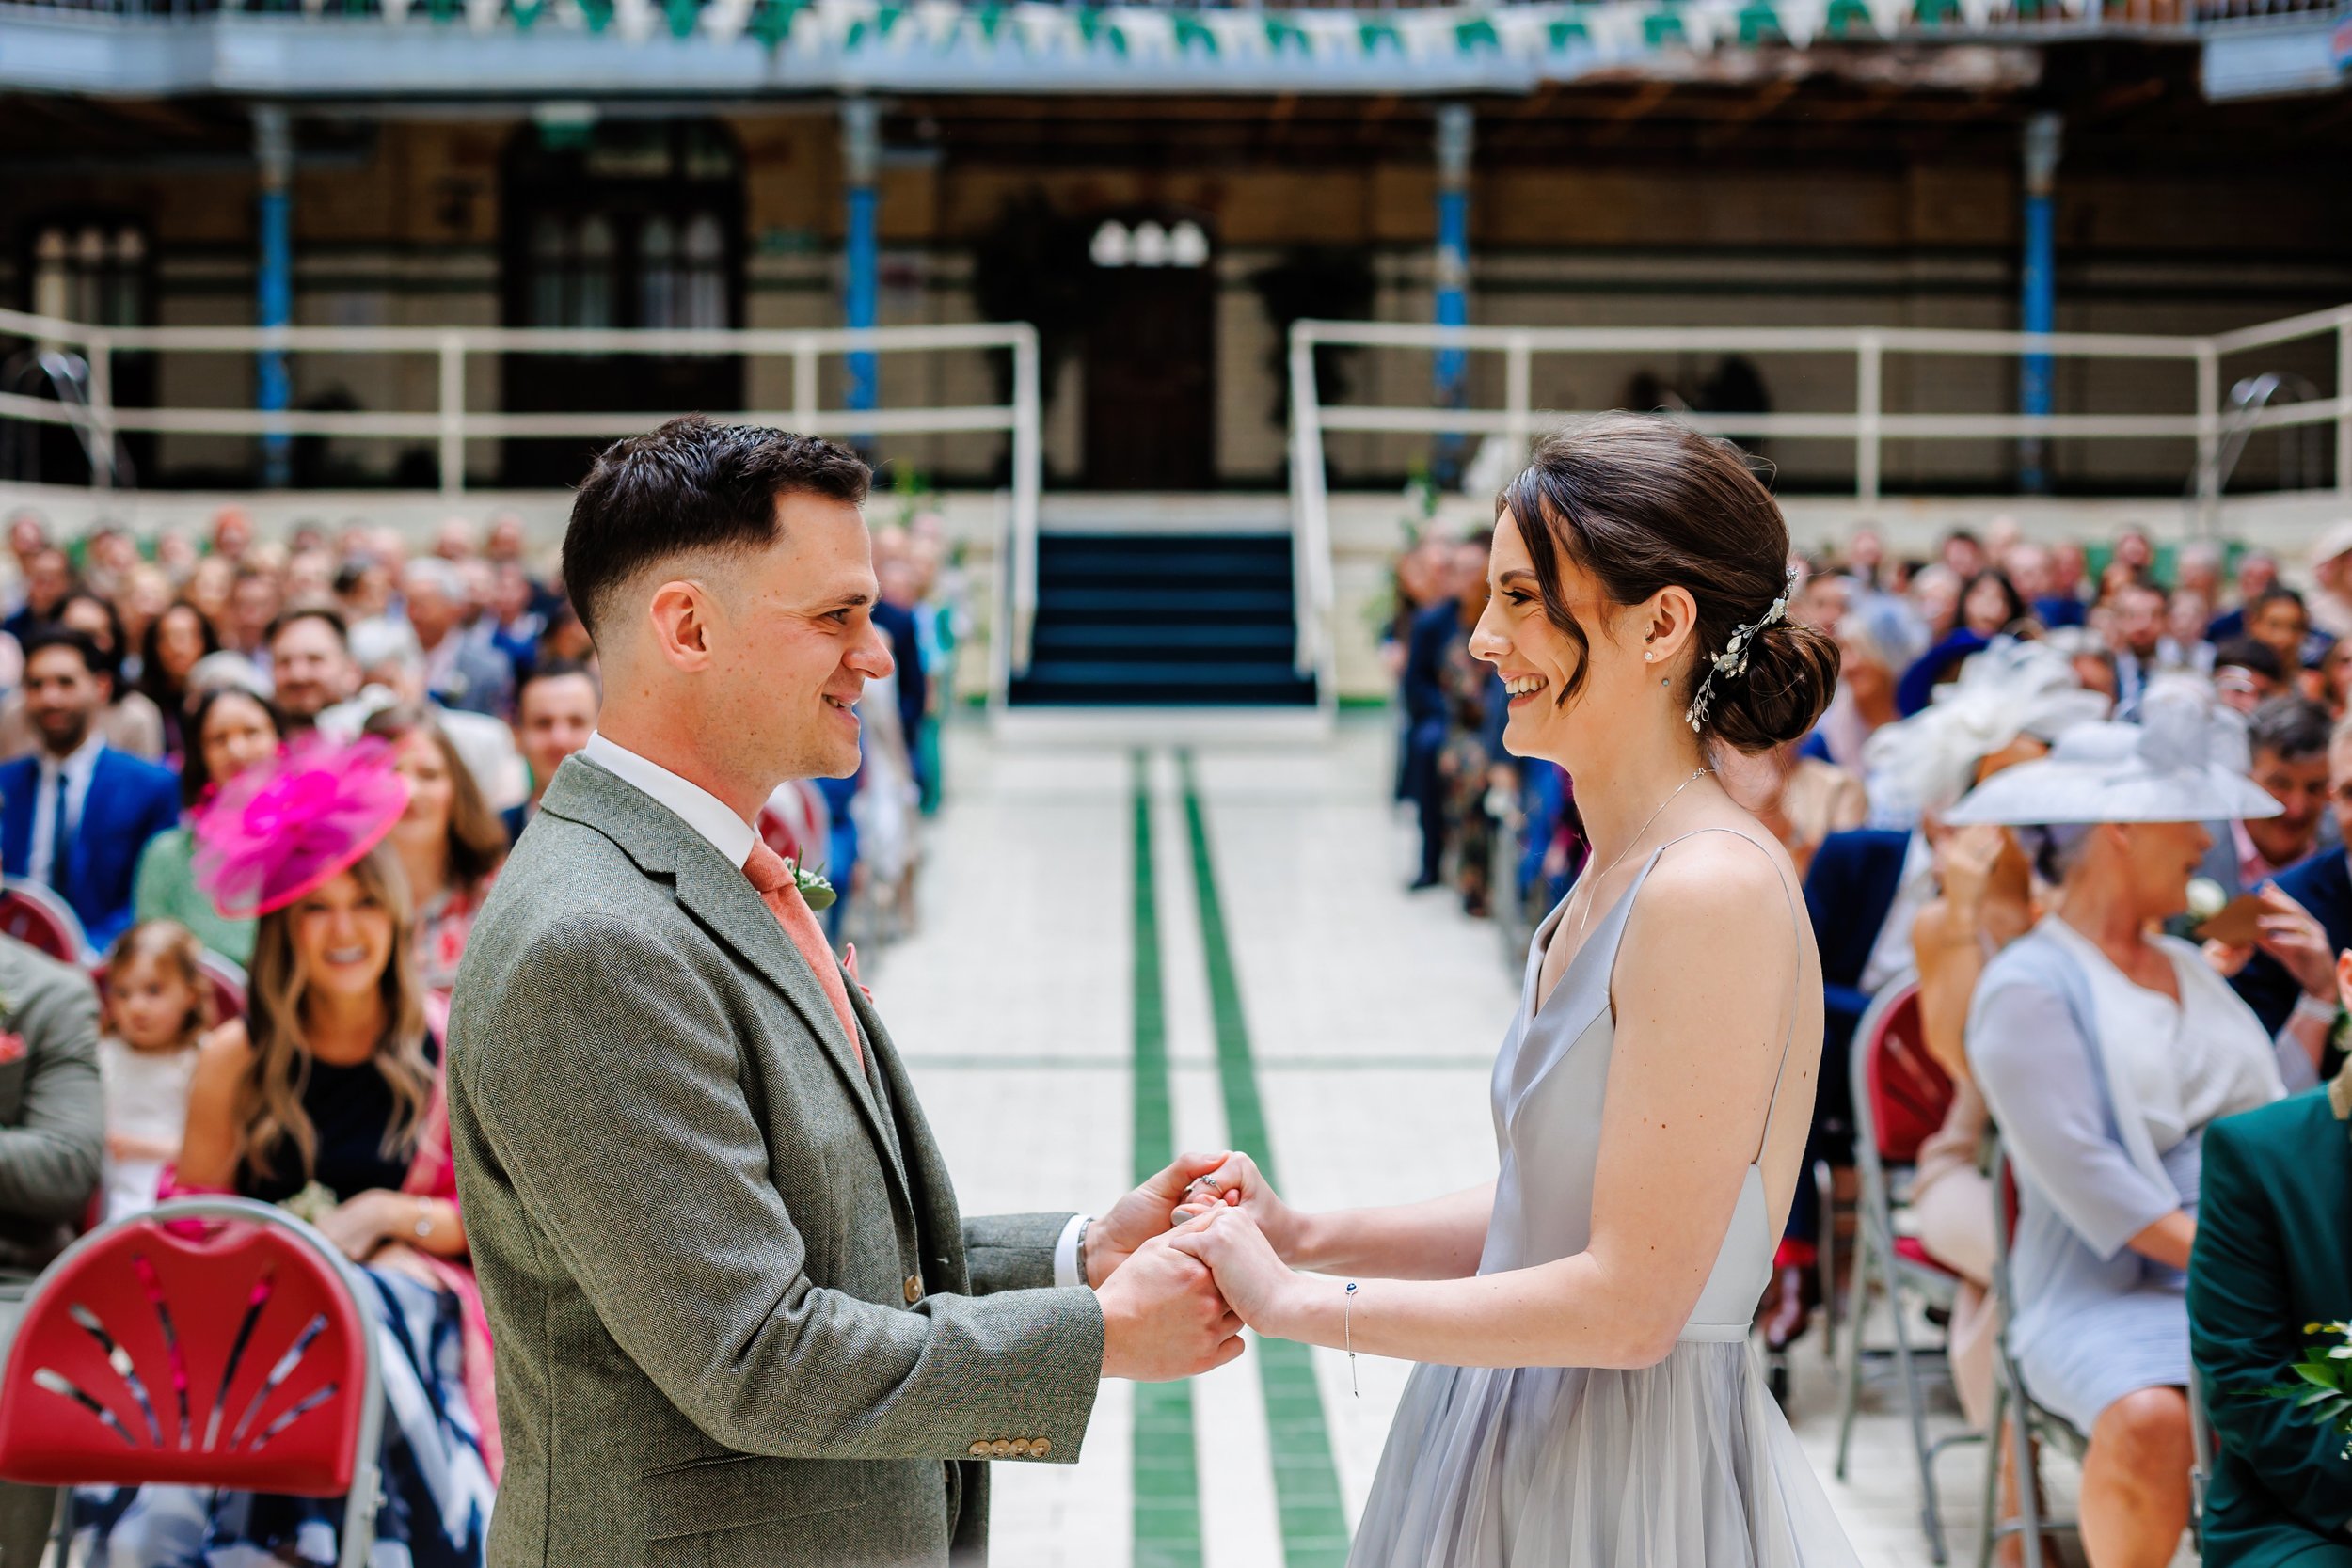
(1867, 424)
(450, 425)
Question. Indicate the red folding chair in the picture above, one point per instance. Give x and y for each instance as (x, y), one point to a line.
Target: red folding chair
(227, 979)
(239, 1359)
(1901, 1096)
(35, 916)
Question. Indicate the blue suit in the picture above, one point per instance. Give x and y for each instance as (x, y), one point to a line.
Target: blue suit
(1427, 720)
(2322, 884)
(129, 801)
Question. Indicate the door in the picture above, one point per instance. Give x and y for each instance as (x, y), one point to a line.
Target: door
(1150, 366)
(634, 224)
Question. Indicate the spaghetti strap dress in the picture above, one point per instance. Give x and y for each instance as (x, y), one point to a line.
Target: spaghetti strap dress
(1687, 1463)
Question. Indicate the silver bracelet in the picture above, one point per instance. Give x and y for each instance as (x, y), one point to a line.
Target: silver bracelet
(1347, 1335)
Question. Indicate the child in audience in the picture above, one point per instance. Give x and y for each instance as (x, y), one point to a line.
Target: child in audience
(158, 1004)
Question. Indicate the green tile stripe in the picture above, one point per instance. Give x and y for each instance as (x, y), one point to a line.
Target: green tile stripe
(1306, 1478)
(1167, 1464)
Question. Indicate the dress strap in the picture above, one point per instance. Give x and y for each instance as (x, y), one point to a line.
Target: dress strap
(1789, 1035)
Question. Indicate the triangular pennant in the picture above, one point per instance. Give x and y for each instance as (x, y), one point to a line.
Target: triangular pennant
(683, 16)
(1567, 32)
(527, 12)
(1281, 33)
(1191, 33)
(1474, 34)
(1373, 36)
(771, 21)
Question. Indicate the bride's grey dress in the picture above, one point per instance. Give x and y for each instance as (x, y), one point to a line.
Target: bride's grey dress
(1688, 1463)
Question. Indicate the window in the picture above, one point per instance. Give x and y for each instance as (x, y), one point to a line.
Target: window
(1150, 244)
(90, 272)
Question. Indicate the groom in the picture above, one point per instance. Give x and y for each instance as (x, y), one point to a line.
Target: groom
(740, 1320)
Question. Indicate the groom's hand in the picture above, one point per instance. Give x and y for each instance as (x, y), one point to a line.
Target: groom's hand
(1145, 1213)
(1163, 1316)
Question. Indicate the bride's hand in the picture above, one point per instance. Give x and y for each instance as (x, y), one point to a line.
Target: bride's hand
(1238, 1184)
(1257, 1285)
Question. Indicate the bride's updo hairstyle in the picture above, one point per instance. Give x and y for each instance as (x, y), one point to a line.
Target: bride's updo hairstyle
(1642, 503)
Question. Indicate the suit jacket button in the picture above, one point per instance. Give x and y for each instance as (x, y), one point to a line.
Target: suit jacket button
(1000, 1449)
(979, 1450)
(1021, 1448)
(1040, 1448)
(915, 1289)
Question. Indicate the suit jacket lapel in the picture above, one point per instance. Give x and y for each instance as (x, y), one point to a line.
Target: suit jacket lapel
(719, 898)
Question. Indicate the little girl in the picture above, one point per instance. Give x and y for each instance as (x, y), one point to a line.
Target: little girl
(158, 1003)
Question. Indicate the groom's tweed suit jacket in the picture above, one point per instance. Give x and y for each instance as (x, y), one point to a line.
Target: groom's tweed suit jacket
(739, 1318)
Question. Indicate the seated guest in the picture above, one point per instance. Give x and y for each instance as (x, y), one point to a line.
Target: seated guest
(2330, 603)
(2335, 678)
(2287, 739)
(175, 641)
(48, 579)
(2282, 980)
(52, 1141)
(233, 730)
(310, 665)
(2103, 1052)
(2247, 674)
(392, 675)
(2279, 618)
(1438, 633)
(2257, 573)
(325, 1097)
(1991, 604)
(75, 815)
(2032, 572)
(1800, 800)
(462, 670)
(449, 843)
(1876, 642)
(555, 713)
(2273, 1254)
(159, 1003)
(2141, 645)
(129, 722)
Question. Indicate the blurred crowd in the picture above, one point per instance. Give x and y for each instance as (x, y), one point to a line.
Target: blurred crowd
(2073, 835)
(161, 1033)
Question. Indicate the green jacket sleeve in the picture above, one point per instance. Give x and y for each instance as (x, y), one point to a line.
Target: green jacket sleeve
(49, 1160)
(2246, 1335)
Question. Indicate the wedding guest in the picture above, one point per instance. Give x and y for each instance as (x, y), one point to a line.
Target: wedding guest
(2033, 571)
(254, 601)
(555, 713)
(2103, 1052)
(2139, 643)
(1874, 646)
(2272, 1258)
(1800, 799)
(310, 665)
(147, 593)
(2247, 674)
(2335, 678)
(1990, 605)
(1962, 553)
(2330, 602)
(1441, 635)
(52, 1125)
(2293, 977)
(175, 641)
(233, 730)
(449, 843)
(128, 722)
(75, 814)
(2197, 570)
(2278, 617)
(2287, 740)
(158, 1005)
(327, 1096)
(48, 579)
(1935, 596)
(461, 671)
(2257, 573)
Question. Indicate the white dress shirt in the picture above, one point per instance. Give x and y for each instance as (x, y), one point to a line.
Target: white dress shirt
(733, 837)
(76, 771)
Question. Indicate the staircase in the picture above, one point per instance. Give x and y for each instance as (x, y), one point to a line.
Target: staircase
(1193, 620)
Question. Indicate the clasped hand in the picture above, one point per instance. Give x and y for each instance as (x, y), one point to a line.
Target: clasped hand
(1182, 1263)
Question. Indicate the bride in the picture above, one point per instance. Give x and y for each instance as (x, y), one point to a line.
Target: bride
(1588, 1396)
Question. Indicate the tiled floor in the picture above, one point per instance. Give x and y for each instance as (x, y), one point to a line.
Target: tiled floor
(1372, 1018)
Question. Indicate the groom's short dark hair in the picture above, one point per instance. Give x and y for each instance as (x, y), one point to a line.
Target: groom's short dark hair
(692, 484)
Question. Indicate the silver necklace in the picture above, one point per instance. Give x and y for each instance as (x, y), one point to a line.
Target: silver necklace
(1592, 885)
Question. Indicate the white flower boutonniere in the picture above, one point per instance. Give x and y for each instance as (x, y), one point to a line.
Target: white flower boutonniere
(814, 891)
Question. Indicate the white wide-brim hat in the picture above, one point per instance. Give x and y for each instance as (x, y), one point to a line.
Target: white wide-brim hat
(2183, 762)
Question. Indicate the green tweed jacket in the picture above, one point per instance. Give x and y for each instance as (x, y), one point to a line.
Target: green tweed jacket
(52, 1125)
(738, 1318)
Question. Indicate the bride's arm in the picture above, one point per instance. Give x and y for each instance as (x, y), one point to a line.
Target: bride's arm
(1702, 993)
(1439, 1238)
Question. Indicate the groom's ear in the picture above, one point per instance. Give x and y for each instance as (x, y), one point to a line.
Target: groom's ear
(680, 619)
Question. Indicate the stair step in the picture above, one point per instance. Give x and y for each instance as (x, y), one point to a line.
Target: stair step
(1140, 601)
(1273, 638)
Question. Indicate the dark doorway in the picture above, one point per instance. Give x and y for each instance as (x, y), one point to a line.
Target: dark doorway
(1150, 355)
(632, 224)
(95, 268)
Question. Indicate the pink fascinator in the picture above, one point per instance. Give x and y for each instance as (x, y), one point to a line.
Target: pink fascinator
(281, 830)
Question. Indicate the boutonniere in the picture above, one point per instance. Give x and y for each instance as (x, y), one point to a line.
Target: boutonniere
(2325, 1392)
(814, 891)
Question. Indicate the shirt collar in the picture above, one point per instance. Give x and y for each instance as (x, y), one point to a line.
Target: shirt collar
(76, 764)
(688, 802)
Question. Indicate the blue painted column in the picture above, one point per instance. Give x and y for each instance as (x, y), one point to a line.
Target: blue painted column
(861, 251)
(1455, 131)
(273, 151)
(2038, 308)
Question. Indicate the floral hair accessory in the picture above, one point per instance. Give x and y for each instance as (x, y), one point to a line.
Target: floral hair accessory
(279, 831)
(1733, 662)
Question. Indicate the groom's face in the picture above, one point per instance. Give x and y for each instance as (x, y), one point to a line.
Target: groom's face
(803, 643)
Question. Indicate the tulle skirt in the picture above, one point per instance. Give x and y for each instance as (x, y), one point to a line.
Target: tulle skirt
(1688, 1463)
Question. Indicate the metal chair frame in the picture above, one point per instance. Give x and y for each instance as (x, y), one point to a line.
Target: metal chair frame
(366, 1495)
(1877, 1261)
(47, 901)
(2027, 1420)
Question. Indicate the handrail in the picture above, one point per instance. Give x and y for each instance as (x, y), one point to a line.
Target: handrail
(1869, 424)
(450, 424)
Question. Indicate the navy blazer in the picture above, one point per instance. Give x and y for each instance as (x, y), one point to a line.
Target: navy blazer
(1434, 631)
(129, 801)
(2322, 884)
(1848, 891)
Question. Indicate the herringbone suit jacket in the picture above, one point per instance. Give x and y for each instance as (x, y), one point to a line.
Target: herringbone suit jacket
(738, 1318)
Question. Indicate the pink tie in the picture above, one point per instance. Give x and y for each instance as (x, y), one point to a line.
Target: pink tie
(771, 878)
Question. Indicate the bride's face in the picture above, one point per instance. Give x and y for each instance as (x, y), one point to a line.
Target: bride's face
(1538, 660)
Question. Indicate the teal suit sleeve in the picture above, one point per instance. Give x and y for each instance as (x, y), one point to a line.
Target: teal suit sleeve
(2246, 1334)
